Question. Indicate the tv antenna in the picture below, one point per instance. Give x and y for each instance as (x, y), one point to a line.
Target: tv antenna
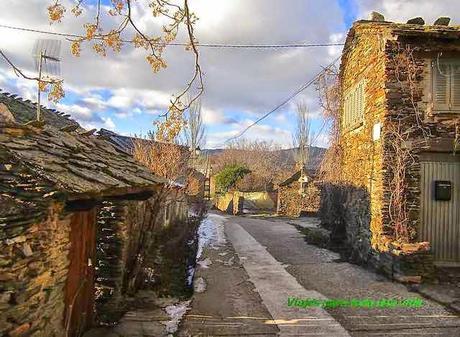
(46, 54)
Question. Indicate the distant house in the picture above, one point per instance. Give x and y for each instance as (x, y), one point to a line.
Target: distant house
(400, 87)
(298, 195)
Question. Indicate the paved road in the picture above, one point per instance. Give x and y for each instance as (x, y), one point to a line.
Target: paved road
(317, 271)
(225, 302)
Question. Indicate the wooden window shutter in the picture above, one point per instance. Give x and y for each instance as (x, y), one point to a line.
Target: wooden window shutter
(455, 86)
(361, 102)
(356, 105)
(441, 89)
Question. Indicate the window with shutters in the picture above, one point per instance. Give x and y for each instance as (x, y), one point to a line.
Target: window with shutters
(446, 85)
(353, 107)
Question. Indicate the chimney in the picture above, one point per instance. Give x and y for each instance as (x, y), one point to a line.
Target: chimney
(6, 117)
(416, 21)
(442, 21)
(376, 16)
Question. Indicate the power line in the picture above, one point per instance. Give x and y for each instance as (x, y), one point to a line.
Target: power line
(181, 44)
(284, 102)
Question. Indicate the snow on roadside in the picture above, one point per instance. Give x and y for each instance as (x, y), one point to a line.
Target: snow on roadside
(211, 233)
(175, 312)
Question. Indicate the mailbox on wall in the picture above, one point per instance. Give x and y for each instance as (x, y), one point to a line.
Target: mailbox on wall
(442, 190)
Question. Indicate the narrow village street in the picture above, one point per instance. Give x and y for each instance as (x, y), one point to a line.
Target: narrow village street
(244, 279)
(200, 168)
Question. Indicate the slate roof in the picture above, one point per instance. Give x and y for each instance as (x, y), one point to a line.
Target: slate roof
(75, 163)
(448, 33)
(126, 143)
(25, 111)
(296, 177)
(42, 163)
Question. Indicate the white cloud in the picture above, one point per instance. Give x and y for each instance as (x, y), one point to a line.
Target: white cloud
(81, 113)
(242, 83)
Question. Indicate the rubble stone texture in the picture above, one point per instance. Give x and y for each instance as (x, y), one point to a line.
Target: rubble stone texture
(46, 174)
(292, 203)
(368, 164)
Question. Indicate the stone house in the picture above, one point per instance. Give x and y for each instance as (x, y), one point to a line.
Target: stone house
(400, 107)
(75, 215)
(298, 195)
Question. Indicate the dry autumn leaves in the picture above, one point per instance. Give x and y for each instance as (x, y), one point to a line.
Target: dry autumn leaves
(102, 40)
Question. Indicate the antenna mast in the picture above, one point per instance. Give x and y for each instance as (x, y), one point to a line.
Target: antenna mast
(47, 62)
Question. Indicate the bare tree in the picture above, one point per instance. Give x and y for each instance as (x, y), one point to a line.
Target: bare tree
(194, 131)
(264, 159)
(302, 137)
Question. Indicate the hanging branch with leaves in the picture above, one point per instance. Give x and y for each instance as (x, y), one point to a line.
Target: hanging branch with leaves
(45, 83)
(103, 40)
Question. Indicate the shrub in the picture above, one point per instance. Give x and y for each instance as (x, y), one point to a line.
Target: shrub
(229, 175)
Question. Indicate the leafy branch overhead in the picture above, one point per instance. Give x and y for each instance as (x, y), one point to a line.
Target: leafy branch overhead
(103, 39)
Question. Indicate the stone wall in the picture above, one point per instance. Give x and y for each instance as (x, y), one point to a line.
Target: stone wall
(235, 202)
(345, 211)
(224, 202)
(394, 96)
(292, 203)
(33, 272)
(362, 158)
(259, 201)
(408, 96)
(141, 244)
(111, 238)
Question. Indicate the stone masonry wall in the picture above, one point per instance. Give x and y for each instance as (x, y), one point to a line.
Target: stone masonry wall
(111, 238)
(293, 204)
(362, 157)
(33, 272)
(393, 96)
(405, 101)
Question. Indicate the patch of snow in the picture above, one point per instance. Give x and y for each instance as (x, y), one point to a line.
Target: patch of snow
(190, 275)
(211, 233)
(205, 263)
(199, 285)
(175, 312)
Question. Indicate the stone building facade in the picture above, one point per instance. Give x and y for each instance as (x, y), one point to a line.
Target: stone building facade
(399, 112)
(76, 218)
(298, 195)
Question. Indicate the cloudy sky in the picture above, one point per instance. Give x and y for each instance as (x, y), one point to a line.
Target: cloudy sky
(120, 92)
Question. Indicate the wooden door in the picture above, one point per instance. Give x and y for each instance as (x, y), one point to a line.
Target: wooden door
(79, 298)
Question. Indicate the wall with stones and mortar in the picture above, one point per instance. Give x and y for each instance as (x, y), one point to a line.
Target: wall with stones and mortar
(33, 272)
(259, 201)
(135, 250)
(404, 101)
(292, 203)
(362, 167)
(111, 238)
(368, 165)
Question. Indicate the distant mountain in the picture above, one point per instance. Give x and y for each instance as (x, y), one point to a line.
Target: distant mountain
(287, 155)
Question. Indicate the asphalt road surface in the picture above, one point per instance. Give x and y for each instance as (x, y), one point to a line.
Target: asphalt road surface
(249, 267)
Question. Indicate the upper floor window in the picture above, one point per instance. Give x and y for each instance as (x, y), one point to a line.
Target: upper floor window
(353, 107)
(446, 85)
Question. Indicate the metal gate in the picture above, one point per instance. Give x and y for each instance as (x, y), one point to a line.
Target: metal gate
(440, 206)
